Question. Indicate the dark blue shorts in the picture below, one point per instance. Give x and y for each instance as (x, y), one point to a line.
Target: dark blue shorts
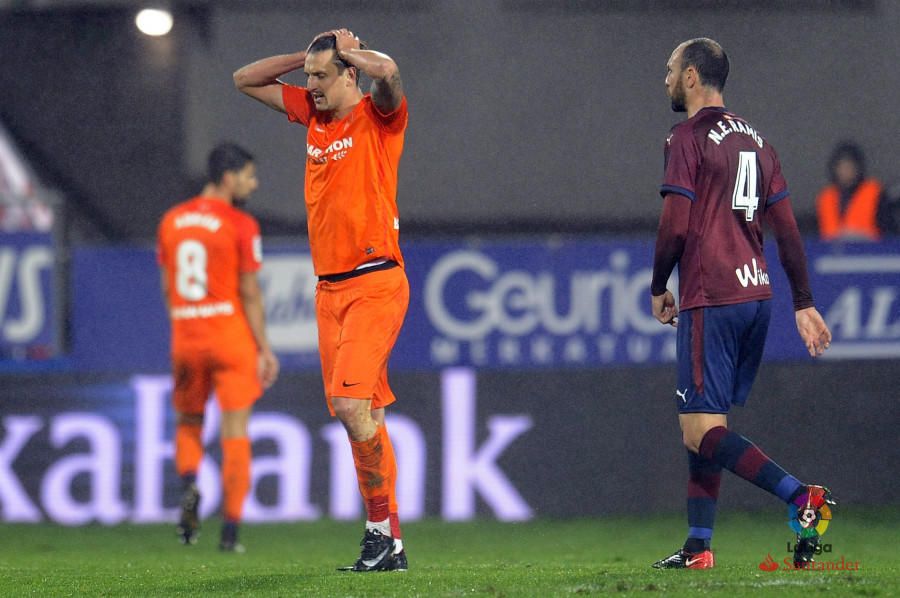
(719, 350)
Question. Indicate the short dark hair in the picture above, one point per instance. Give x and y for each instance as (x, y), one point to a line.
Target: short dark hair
(226, 157)
(324, 43)
(709, 60)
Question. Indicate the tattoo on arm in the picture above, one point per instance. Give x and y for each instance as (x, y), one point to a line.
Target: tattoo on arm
(387, 93)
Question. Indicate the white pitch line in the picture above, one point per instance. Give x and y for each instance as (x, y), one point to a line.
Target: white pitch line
(863, 264)
(845, 350)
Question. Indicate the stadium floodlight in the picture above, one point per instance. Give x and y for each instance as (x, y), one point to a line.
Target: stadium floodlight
(154, 21)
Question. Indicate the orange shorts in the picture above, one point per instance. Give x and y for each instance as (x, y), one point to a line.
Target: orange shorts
(359, 320)
(232, 374)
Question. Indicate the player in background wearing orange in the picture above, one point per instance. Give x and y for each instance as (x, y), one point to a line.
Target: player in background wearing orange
(354, 142)
(209, 252)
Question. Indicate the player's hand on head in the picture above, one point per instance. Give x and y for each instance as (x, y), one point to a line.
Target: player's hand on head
(813, 330)
(345, 40)
(664, 308)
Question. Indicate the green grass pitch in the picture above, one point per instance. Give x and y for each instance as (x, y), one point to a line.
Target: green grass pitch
(542, 558)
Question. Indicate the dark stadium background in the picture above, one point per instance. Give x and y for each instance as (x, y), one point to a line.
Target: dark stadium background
(534, 125)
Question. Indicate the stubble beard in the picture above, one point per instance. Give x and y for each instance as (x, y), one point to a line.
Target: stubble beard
(678, 100)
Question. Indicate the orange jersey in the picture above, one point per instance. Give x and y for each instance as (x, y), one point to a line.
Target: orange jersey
(351, 182)
(204, 245)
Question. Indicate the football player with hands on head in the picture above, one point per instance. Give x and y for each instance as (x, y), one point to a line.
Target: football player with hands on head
(354, 141)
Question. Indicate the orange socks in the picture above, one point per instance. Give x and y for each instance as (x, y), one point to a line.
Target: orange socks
(188, 449)
(376, 470)
(235, 465)
(235, 476)
(392, 487)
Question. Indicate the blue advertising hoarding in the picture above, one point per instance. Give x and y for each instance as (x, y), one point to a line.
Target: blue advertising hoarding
(29, 296)
(525, 303)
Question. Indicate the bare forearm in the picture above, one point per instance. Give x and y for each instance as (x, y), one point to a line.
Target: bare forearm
(266, 71)
(256, 317)
(387, 87)
(374, 64)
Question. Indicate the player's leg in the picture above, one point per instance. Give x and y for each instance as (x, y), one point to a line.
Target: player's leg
(398, 560)
(354, 413)
(188, 446)
(704, 477)
(368, 442)
(191, 388)
(237, 389)
(371, 322)
(734, 338)
(236, 458)
(808, 504)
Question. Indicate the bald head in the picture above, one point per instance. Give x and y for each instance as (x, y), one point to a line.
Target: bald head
(708, 58)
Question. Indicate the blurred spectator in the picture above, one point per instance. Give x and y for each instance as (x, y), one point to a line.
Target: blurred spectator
(850, 207)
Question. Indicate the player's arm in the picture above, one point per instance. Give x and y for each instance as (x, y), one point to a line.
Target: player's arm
(164, 285)
(387, 88)
(259, 80)
(670, 240)
(252, 300)
(812, 328)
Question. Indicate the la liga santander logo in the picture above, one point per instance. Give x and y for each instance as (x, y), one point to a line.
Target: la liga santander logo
(809, 515)
(769, 564)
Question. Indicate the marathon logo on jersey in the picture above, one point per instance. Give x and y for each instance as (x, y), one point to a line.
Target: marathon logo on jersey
(732, 125)
(752, 274)
(288, 282)
(337, 150)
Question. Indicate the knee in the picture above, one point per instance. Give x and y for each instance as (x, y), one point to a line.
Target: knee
(348, 411)
(189, 419)
(235, 423)
(355, 417)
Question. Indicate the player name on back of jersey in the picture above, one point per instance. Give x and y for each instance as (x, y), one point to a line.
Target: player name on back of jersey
(731, 125)
(189, 219)
(208, 310)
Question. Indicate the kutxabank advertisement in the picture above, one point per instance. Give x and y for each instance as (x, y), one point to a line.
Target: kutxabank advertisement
(527, 373)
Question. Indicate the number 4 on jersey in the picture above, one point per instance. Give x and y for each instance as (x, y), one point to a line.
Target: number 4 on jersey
(745, 196)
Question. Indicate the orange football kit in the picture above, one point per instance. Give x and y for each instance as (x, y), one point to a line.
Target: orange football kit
(351, 206)
(204, 245)
(363, 293)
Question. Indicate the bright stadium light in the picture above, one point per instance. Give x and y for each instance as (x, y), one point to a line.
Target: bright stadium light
(154, 21)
